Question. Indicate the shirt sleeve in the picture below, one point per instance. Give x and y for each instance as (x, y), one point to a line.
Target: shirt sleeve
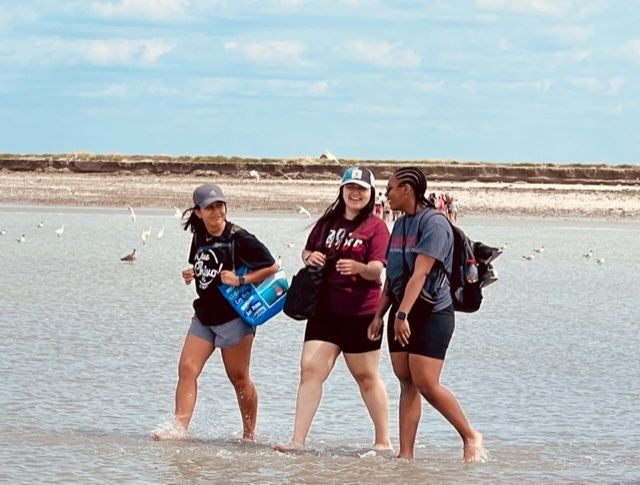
(379, 243)
(313, 241)
(250, 252)
(436, 238)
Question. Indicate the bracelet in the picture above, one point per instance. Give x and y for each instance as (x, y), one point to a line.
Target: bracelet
(241, 281)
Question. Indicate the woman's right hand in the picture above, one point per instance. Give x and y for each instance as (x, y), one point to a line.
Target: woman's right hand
(187, 276)
(373, 332)
(315, 258)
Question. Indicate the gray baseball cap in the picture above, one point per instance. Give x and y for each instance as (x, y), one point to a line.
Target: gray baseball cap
(207, 194)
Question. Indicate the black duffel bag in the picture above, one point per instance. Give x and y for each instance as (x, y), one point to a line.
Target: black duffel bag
(304, 292)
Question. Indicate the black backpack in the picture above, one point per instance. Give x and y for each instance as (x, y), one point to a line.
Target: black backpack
(466, 288)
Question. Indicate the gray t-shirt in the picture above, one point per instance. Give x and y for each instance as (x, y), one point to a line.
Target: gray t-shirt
(426, 232)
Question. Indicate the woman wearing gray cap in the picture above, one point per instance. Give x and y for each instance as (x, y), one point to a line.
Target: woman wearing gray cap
(350, 242)
(215, 242)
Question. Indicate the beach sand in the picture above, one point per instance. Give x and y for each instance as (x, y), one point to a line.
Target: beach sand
(61, 188)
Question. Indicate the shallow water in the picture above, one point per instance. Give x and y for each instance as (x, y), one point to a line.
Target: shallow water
(547, 370)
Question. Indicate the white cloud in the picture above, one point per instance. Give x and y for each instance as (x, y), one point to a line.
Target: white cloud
(149, 9)
(110, 91)
(573, 56)
(103, 52)
(631, 50)
(429, 87)
(381, 54)
(470, 86)
(260, 87)
(319, 88)
(270, 52)
(553, 8)
(543, 85)
(588, 83)
(615, 83)
(378, 109)
(571, 33)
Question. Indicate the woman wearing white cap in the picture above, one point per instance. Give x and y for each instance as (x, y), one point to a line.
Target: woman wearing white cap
(215, 242)
(350, 242)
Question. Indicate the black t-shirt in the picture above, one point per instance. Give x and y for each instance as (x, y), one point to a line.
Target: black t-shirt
(210, 255)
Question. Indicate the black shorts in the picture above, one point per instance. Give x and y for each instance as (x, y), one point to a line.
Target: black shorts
(430, 334)
(349, 332)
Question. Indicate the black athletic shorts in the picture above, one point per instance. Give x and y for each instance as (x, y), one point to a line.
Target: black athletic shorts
(430, 334)
(349, 332)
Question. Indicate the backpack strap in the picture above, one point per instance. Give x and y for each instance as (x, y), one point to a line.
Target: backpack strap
(232, 232)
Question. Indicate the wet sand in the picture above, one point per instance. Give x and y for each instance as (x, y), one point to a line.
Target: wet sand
(281, 194)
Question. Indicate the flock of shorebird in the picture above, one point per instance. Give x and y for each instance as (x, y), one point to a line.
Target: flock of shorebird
(145, 234)
(40, 225)
(131, 257)
(536, 252)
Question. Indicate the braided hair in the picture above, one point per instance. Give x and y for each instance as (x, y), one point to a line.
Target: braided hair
(417, 181)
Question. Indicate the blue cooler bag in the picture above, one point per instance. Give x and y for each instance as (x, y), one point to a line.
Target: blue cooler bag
(257, 302)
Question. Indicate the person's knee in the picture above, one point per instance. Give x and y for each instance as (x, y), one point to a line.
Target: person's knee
(188, 369)
(366, 380)
(239, 379)
(428, 389)
(311, 371)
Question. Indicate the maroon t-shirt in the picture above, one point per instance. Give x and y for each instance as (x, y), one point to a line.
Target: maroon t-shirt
(350, 295)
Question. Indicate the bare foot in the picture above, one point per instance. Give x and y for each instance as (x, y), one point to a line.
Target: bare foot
(473, 450)
(383, 446)
(170, 432)
(291, 447)
(251, 440)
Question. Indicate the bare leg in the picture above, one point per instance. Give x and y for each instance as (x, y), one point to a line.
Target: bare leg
(195, 353)
(364, 369)
(318, 358)
(410, 408)
(426, 376)
(236, 361)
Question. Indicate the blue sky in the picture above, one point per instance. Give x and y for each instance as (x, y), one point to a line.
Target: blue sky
(552, 81)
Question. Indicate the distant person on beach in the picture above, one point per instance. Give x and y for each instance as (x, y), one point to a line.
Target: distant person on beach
(350, 242)
(379, 205)
(215, 323)
(420, 251)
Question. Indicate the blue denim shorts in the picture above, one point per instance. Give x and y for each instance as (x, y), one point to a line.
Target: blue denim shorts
(222, 336)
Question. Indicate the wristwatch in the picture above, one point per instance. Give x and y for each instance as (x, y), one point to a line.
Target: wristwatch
(240, 280)
(401, 315)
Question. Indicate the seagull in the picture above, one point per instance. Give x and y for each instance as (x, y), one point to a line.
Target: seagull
(59, 231)
(504, 247)
(145, 235)
(279, 261)
(129, 258)
(3, 232)
(21, 239)
(160, 233)
(589, 254)
(600, 261)
(40, 225)
(255, 175)
(530, 257)
(176, 212)
(302, 210)
(132, 214)
(539, 250)
(290, 245)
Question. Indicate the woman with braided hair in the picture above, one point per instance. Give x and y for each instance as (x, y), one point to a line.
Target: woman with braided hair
(422, 320)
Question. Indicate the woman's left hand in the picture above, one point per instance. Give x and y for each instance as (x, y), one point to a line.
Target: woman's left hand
(348, 267)
(229, 278)
(401, 331)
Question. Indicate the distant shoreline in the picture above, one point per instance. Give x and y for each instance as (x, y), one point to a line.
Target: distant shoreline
(244, 193)
(310, 168)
